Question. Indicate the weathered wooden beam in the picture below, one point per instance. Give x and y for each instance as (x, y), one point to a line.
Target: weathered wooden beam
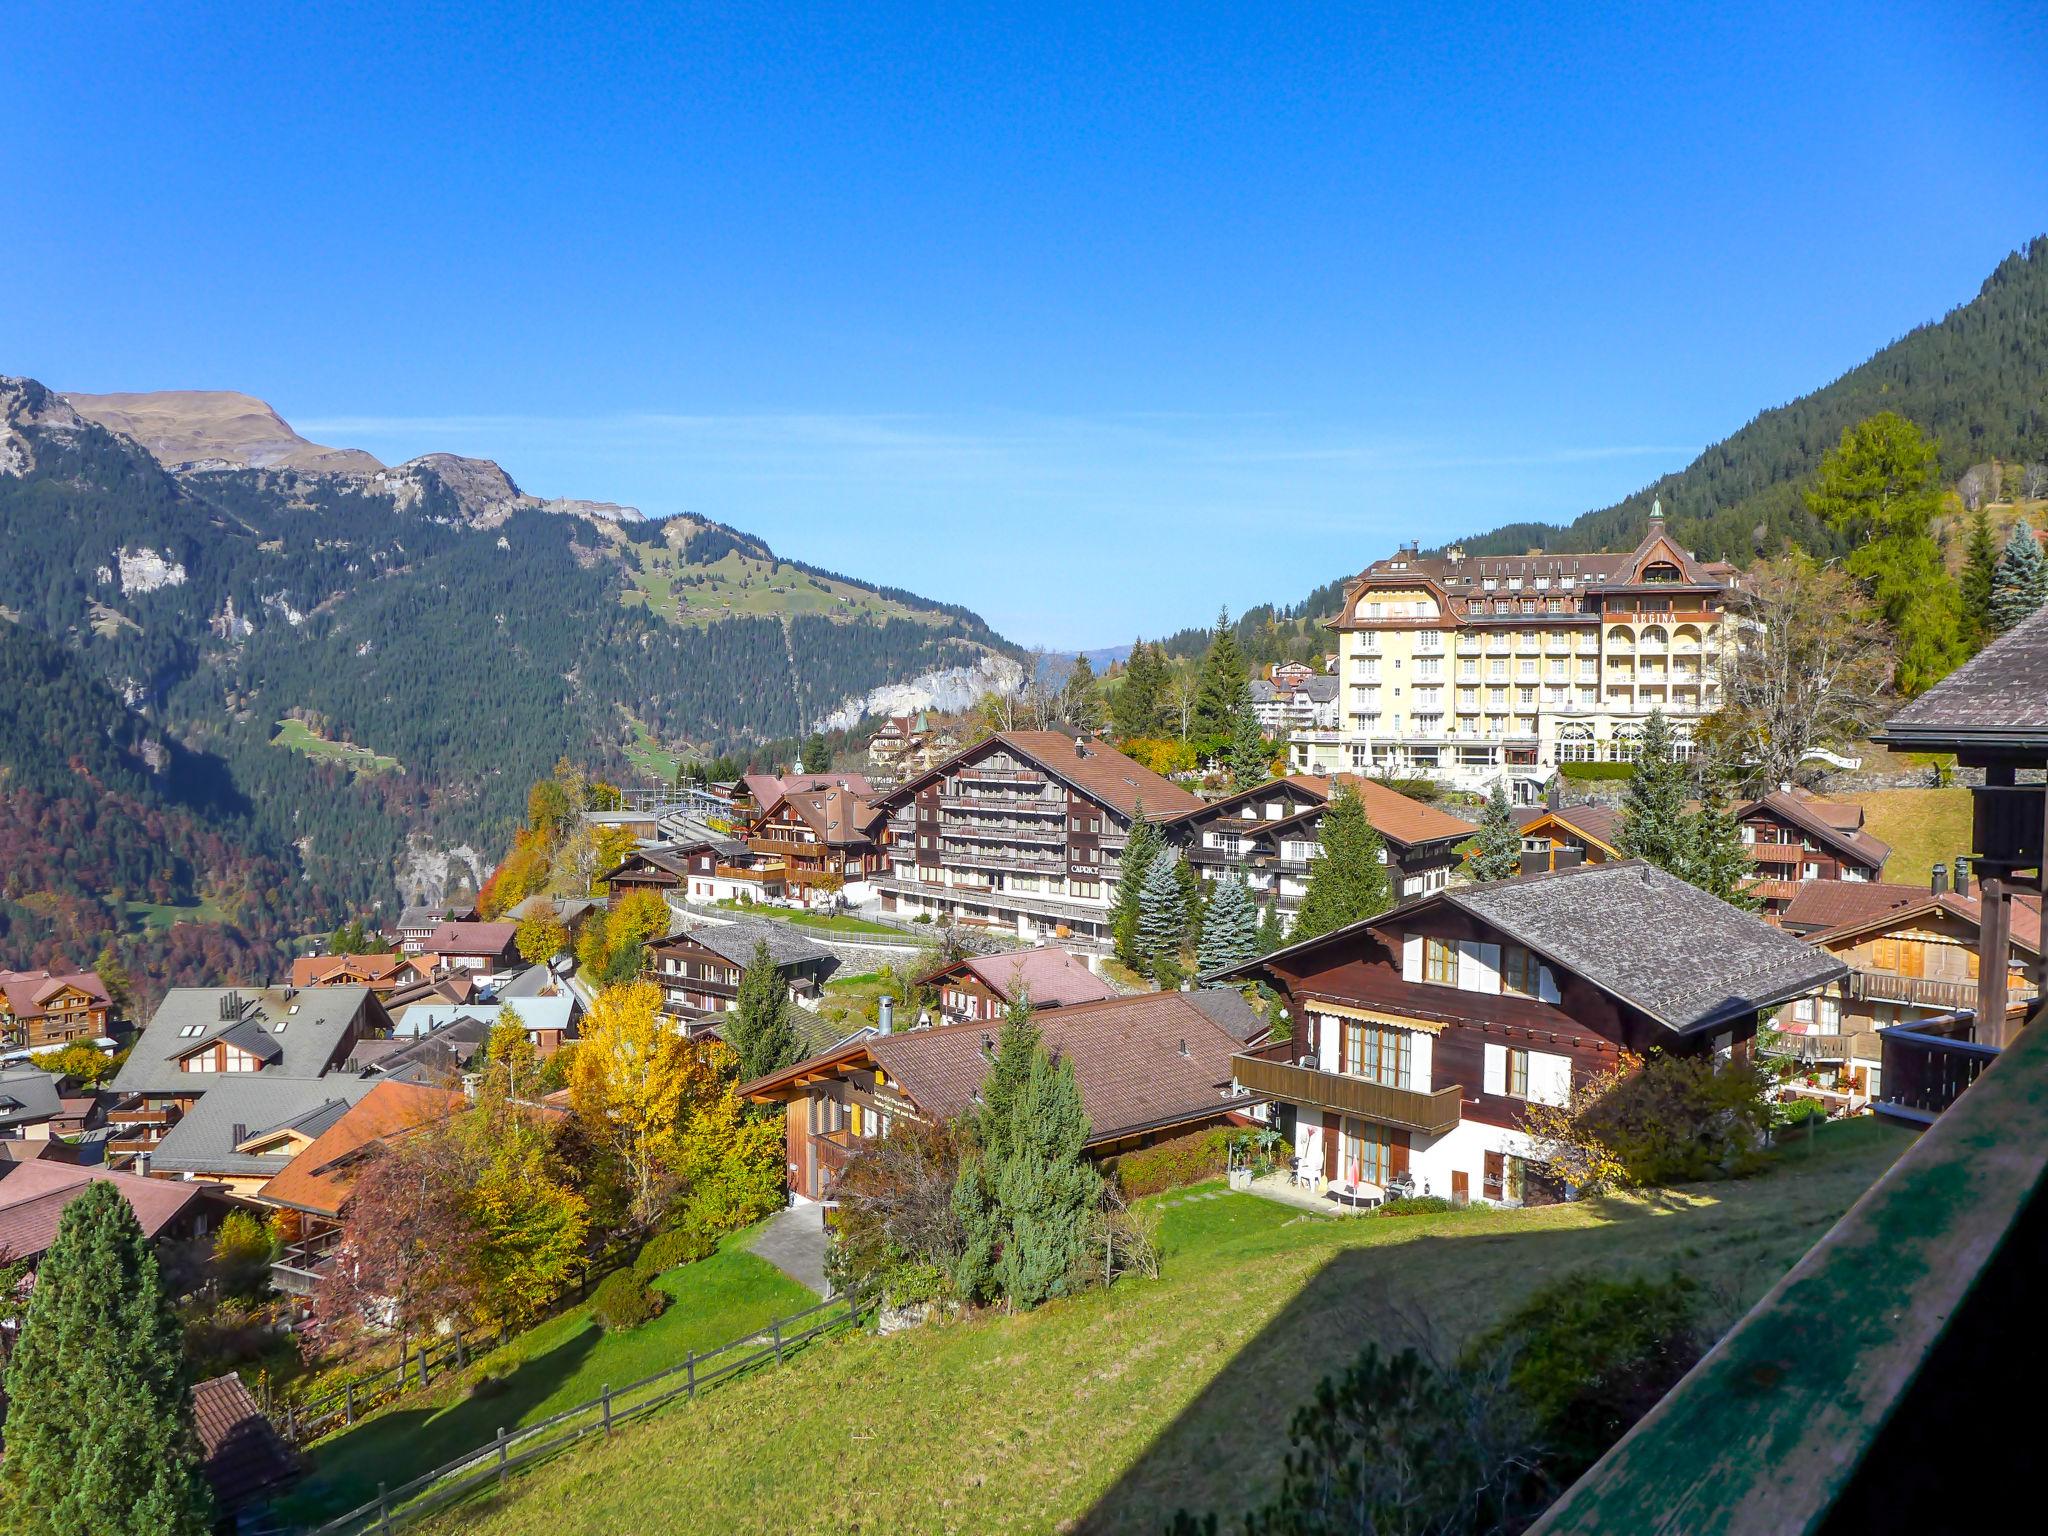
(1994, 956)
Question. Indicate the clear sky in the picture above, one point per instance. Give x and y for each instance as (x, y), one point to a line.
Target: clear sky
(1091, 317)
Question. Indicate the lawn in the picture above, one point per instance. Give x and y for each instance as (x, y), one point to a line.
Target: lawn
(1111, 1411)
(297, 736)
(738, 586)
(564, 1361)
(649, 755)
(1924, 826)
(829, 923)
(157, 916)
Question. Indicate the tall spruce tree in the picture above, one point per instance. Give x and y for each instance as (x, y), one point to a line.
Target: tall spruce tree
(1162, 915)
(1218, 686)
(1140, 850)
(100, 1437)
(1081, 698)
(1230, 927)
(1347, 877)
(1498, 851)
(1715, 859)
(759, 1028)
(1250, 757)
(1135, 707)
(2019, 584)
(1654, 818)
(1978, 566)
(1270, 935)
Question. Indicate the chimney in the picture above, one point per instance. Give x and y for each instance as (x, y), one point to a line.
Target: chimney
(1962, 874)
(1079, 749)
(885, 1015)
(238, 1133)
(1940, 881)
(1183, 1045)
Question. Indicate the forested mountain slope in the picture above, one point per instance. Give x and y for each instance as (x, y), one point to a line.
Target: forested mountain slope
(466, 634)
(1977, 379)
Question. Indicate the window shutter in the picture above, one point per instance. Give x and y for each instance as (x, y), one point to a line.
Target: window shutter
(1411, 957)
(1489, 968)
(1397, 1155)
(1550, 1078)
(1469, 966)
(1494, 1073)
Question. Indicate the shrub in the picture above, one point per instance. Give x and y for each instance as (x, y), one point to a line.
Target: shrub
(1170, 1164)
(678, 1245)
(1793, 1114)
(1418, 1205)
(1658, 1120)
(1588, 772)
(1589, 1356)
(624, 1300)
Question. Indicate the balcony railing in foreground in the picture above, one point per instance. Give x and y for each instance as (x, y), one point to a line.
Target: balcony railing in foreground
(1433, 1113)
(1815, 1413)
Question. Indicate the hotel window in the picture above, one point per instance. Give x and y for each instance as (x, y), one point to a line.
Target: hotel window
(1518, 1074)
(1440, 961)
(1521, 973)
(1377, 1053)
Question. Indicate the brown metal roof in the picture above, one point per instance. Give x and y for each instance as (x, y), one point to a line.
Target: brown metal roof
(1053, 977)
(1095, 768)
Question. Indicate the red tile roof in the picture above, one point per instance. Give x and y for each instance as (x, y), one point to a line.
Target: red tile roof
(471, 939)
(1830, 903)
(320, 1178)
(33, 1197)
(28, 991)
(244, 1454)
(1053, 977)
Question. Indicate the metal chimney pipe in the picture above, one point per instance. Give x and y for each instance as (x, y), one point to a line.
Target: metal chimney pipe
(1940, 880)
(885, 1015)
(1962, 874)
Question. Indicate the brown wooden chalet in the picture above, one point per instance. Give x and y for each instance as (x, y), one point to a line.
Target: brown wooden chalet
(1149, 1067)
(1022, 831)
(827, 837)
(38, 1008)
(1567, 836)
(1267, 834)
(383, 974)
(1795, 837)
(978, 987)
(698, 966)
(704, 867)
(473, 946)
(1421, 1035)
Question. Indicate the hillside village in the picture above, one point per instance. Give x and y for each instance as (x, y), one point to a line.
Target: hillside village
(1488, 912)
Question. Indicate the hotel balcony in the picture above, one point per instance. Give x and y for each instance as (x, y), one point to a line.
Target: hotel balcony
(1431, 1113)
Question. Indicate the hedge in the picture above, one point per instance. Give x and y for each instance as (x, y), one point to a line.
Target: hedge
(1586, 771)
(678, 1245)
(1170, 1164)
(624, 1300)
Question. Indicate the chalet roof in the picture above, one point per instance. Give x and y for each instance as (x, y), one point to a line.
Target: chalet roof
(838, 816)
(1228, 1010)
(565, 909)
(2026, 919)
(1312, 788)
(28, 991)
(362, 970)
(1828, 903)
(1825, 827)
(1998, 699)
(1127, 1055)
(33, 1196)
(320, 1177)
(248, 1035)
(534, 981)
(435, 1057)
(1597, 823)
(239, 1106)
(308, 1026)
(242, 1450)
(1053, 977)
(418, 919)
(472, 938)
(28, 1096)
(735, 941)
(1095, 768)
(1685, 959)
(537, 1013)
(1399, 818)
(458, 987)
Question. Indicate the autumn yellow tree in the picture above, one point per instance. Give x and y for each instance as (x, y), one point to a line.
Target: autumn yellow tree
(629, 1083)
(540, 938)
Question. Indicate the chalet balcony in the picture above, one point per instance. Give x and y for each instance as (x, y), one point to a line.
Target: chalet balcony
(1432, 1113)
(1812, 1047)
(1926, 992)
(299, 1269)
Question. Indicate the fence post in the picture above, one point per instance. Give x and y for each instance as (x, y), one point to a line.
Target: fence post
(776, 1327)
(383, 1510)
(501, 1456)
(423, 1369)
(607, 1410)
(350, 1390)
(461, 1359)
(690, 1368)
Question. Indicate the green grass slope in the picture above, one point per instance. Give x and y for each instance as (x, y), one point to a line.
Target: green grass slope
(1109, 1412)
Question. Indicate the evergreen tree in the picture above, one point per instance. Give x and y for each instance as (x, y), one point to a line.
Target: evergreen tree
(1347, 878)
(1135, 708)
(100, 1438)
(759, 1028)
(1002, 1091)
(1654, 818)
(1162, 914)
(1270, 936)
(1978, 566)
(1250, 758)
(1498, 853)
(1143, 846)
(1715, 859)
(1081, 700)
(1219, 686)
(817, 757)
(1880, 488)
(2019, 584)
(1230, 927)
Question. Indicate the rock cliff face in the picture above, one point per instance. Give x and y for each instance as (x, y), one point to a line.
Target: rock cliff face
(946, 689)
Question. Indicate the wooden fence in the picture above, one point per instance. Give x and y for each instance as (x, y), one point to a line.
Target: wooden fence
(491, 1464)
(303, 1423)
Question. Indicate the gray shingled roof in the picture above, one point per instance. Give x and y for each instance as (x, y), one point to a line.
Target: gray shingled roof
(314, 1020)
(204, 1141)
(1227, 1009)
(736, 940)
(1999, 698)
(1687, 959)
(28, 1096)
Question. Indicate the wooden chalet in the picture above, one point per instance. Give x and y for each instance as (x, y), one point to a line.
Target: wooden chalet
(704, 868)
(828, 837)
(978, 987)
(1420, 1035)
(383, 974)
(1796, 838)
(1266, 835)
(1149, 1067)
(34, 1195)
(1023, 832)
(461, 946)
(1569, 836)
(698, 966)
(41, 1009)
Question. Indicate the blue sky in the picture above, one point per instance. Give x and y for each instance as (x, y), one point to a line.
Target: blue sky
(1091, 317)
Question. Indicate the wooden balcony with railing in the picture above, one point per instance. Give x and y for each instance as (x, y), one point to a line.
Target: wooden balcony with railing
(1432, 1113)
(1925, 991)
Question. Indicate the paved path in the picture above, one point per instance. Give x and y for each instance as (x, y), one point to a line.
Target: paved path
(794, 1242)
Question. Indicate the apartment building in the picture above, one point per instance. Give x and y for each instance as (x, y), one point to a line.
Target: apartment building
(1471, 669)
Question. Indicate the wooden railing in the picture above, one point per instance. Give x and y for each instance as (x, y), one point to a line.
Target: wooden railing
(1433, 1113)
(1928, 992)
(1927, 1067)
(1814, 1413)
